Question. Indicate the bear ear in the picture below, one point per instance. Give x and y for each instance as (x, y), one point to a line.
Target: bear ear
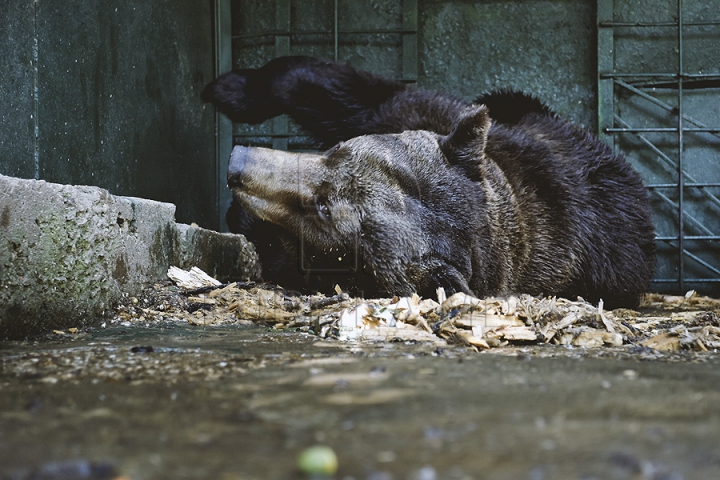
(465, 145)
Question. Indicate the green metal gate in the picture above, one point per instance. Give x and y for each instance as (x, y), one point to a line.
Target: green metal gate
(366, 34)
(369, 34)
(659, 104)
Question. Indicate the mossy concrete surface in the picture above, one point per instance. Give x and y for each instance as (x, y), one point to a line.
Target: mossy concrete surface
(68, 253)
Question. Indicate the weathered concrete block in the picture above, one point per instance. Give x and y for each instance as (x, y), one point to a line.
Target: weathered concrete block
(225, 256)
(67, 253)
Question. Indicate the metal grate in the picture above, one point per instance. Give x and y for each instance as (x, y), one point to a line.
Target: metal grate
(329, 29)
(659, 103)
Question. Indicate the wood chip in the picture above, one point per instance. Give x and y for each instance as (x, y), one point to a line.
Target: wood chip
(590, 338)
(459, 300)
(568, 320)
(191, 279)
(399, 334)
(471, 339)
(523, 333)
(470, 320)
(231, 288)
(203, 300)
(663, 342)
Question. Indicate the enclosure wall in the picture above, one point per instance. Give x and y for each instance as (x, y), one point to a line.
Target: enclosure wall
(106, 93)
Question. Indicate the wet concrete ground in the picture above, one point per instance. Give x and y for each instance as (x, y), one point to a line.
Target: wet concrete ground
(235, 402)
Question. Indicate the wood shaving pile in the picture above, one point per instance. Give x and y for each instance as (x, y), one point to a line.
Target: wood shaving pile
(665, 323)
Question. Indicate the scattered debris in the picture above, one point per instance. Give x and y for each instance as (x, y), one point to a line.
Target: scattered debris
(665, 323)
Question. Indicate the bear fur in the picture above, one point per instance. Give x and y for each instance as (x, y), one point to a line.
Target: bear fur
(422, 190)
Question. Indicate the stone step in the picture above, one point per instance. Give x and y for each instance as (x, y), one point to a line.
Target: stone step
(68, 253)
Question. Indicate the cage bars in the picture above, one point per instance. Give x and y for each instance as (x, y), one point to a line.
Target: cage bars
(280, 137)
(611, 124)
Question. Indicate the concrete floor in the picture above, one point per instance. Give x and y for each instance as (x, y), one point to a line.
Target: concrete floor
(175, 401)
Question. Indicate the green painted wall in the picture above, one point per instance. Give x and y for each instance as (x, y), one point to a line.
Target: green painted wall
(544, 47)
(17, 138)
(117, 98)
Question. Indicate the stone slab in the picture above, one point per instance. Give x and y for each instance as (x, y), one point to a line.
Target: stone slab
(67, 253)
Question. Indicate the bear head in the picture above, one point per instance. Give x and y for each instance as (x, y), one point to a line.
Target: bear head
(403, 207)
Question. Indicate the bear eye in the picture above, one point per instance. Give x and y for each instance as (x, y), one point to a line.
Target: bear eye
(323, 209)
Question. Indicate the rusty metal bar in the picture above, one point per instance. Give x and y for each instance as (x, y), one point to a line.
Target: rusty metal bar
(223, 125)
(689, 237)
(410, 41)
(687, 185)
(336, 31)
(697, 259)
(687, 280)
(292, 33)
(283, 15)
(681, 169)
(658, 102)
(606, 94)
(691, 219)
(686, 76)
(668, 161)
(606, 24)
(659, 130)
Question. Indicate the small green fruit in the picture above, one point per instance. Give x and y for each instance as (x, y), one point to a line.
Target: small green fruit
(318, 460)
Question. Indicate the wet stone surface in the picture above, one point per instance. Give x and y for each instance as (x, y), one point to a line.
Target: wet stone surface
(168, 399)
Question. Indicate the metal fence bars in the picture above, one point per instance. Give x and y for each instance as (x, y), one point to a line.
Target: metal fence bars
(658, 94)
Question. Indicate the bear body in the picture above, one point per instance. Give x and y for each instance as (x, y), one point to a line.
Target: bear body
(422, 190)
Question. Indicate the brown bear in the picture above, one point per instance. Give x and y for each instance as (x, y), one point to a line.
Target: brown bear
(425, 190)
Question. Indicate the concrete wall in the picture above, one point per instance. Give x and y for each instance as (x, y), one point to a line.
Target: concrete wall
(17, 116)
(544, 47)
(106, 93)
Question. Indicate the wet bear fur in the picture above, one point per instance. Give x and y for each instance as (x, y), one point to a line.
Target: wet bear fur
(501, 198)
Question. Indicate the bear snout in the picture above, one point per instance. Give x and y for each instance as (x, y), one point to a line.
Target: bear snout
(236, 165)
(272, 174)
